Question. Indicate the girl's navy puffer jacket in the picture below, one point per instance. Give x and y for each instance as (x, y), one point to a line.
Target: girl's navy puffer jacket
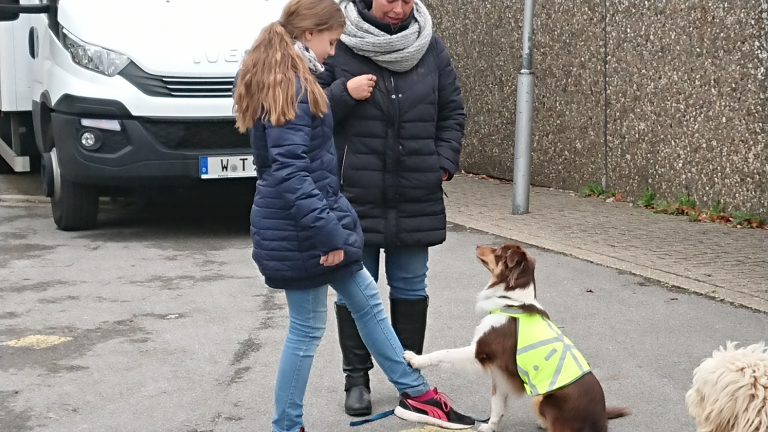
(298, 211)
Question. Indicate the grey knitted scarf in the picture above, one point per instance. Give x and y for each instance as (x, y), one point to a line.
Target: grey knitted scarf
(399, 52)
(314, 66)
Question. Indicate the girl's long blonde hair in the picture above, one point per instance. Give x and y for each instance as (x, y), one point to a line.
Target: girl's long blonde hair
(266, 85)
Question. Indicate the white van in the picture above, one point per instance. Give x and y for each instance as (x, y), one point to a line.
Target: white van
(123, 93)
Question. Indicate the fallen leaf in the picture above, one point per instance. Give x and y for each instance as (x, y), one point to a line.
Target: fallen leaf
(37, 341)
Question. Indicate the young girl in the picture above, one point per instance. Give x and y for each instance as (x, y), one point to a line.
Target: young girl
(305, 234)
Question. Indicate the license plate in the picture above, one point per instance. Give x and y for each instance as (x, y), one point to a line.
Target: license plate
(215, 167)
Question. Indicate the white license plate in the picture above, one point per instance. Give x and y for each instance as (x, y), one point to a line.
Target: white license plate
(214, 167)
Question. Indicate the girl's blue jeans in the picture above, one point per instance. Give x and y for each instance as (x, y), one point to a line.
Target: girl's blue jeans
(307, 310)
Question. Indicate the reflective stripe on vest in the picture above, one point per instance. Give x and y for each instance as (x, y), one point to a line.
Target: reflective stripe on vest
(546, 359)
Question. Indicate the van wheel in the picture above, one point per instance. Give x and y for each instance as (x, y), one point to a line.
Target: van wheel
(75, 206)
(4, 167)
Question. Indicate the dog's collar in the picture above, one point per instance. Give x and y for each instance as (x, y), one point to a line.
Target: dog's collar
(511, 310)
(493, 298)
(515, 301)
(512, 303)
(512, 306)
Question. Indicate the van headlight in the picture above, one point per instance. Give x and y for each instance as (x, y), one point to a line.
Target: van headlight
(92, 57)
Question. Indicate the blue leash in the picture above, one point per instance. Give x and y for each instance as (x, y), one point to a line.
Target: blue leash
(386, 414)
(373, 418)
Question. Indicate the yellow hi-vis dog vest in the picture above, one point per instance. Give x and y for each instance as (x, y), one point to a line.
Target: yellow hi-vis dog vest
(546, 359)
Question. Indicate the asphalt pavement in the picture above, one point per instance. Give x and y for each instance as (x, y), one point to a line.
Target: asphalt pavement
(159, 321)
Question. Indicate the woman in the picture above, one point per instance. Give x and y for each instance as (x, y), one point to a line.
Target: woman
(399, 118)
(305, 234)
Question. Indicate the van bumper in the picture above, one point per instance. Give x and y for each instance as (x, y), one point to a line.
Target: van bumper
(144, 150)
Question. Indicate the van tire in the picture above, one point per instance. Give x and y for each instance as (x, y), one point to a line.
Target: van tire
(5, 168)
(75, 206)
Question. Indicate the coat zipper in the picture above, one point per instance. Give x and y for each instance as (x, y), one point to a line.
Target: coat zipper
(392, 216)
(396, 107)
(343, 161)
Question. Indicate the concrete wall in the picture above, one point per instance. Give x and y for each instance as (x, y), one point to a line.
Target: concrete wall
(671, 95)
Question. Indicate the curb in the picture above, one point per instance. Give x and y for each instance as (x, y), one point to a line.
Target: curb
(21, 200)
(668, 279)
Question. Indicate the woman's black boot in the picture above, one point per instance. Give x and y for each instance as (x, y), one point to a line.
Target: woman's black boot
(357, 363)
(409, 319)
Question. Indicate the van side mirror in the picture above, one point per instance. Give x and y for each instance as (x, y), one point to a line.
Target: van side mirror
(11, 9)
(8, 10)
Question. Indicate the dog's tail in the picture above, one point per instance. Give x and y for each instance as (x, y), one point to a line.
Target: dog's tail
(617, 412)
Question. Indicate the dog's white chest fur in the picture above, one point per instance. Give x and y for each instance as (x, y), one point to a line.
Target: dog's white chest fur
(488, 322)
(494, 298)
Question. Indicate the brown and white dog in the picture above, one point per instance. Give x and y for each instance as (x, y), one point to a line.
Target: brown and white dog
(579, 406)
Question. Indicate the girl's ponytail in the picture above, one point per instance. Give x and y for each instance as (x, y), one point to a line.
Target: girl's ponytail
(266, 86)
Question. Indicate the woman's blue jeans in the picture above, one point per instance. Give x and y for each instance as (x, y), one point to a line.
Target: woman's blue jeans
(307, 309)
(406, 269)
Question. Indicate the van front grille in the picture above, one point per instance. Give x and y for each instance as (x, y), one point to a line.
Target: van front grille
(186, 87)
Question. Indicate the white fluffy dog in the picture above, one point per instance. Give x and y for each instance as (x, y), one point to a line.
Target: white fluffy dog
(730, 390)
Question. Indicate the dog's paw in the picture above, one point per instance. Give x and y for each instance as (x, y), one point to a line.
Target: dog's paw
(486, 428)
(416, 361)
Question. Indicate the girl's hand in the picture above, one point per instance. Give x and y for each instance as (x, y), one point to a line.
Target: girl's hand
(333, 258)
(361, 86)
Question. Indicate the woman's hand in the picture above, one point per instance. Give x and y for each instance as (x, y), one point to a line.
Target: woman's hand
(333, 258)
(361, 86)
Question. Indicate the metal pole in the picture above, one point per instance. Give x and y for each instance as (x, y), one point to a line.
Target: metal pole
(524, 117)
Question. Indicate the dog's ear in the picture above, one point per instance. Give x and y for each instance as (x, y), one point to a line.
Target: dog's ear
(519, 268)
